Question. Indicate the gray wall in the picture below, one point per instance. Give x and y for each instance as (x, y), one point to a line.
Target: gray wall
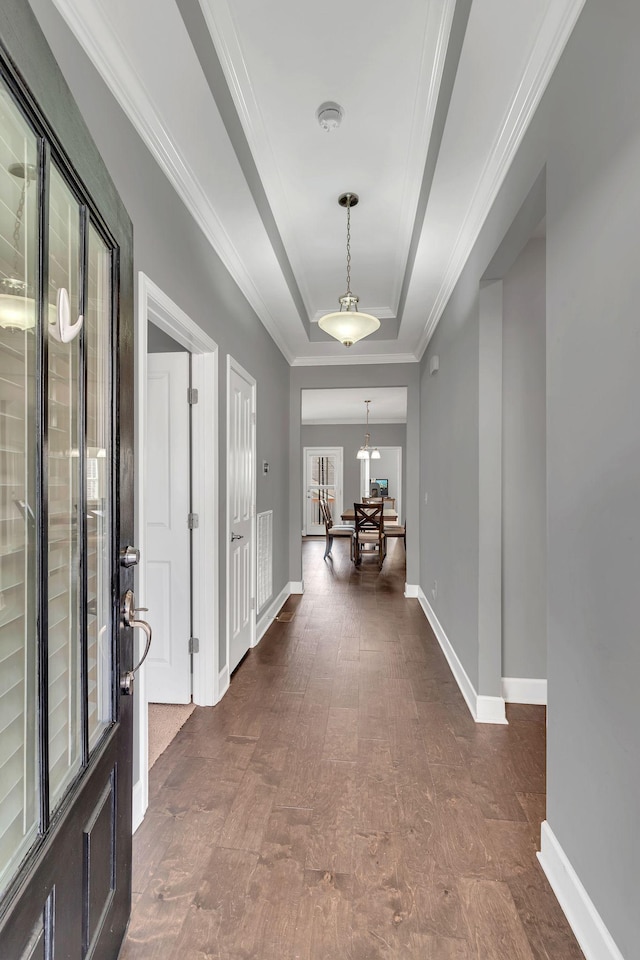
(160, 342)
(350, 436)
(358, 375)
(171, 249)
(587, 133)
(524, 466)
(593, 461)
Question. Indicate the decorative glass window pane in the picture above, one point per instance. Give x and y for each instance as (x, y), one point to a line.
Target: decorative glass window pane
(65, 755)
(19, 801)
(98, 477)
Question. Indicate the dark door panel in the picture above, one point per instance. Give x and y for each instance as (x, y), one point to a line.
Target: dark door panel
(66, 512)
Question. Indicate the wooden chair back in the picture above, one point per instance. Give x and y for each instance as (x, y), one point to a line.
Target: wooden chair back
(368, 517)
(326, 514)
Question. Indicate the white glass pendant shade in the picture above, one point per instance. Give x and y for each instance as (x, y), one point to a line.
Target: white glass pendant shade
(375, 454)
(362, 454)
(20, 313)
(17, 313)
(348, 326)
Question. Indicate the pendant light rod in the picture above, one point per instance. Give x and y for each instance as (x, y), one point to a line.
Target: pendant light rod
(366, 452)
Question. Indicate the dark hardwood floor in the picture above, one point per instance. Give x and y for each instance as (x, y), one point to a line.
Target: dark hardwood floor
(340, 802)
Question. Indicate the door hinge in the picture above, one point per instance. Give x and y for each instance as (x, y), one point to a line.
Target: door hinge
(192, 395)
(192, 521)
(194, 645)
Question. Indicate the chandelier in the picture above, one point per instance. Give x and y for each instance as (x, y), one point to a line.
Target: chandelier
(366, 452)
(347, 324)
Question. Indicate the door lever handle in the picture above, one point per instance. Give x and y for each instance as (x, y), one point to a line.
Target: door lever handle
(236, 536)
(129, 618)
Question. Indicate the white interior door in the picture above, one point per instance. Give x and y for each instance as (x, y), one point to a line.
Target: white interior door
(240, 512)
(168, 666)
(322, 480)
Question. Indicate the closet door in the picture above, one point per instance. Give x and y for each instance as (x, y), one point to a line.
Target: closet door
(66, 512)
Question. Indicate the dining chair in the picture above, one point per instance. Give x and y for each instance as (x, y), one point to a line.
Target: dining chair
(369, 531)
(396, 530)
(335, 530)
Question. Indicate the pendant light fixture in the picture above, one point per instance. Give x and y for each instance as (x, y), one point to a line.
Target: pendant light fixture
(348, 325)
(366, 452)
(17, 306)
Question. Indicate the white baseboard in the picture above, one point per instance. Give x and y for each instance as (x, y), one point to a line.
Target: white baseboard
(490, 709)
(296, 586)
(524, 690)
(267, 618)
(588, 926)
(223, 682)
(483, 709)
(139, 805)
(411, 590)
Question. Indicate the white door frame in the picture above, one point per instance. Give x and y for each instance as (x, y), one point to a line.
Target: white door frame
(398, 497)
(156, 306)
(339, 454)
(232, 364)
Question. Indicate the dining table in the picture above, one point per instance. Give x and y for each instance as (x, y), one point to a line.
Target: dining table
(391, 516)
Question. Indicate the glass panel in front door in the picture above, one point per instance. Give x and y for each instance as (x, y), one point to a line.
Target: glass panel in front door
(98, 476)
(323, 485)
(19, 801)
(64, 521)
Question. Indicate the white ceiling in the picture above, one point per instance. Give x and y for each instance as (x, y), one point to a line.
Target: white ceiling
(347, 405)
(262, 178)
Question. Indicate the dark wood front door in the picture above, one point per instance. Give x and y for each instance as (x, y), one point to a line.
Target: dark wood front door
(66, 514)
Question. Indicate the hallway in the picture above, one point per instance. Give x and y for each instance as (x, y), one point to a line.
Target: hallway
(340, 802)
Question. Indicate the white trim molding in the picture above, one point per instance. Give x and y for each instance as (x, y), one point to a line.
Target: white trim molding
(554, 32)
(524, 690)
(483, 709)
(155, 305)
(139, 803)
(223, 682)
(411, 591)
(271, 613)
(588, 926)
(296, 586)
(347, 360)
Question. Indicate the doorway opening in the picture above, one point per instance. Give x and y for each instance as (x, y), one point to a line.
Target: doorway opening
(332, 432)
(199, 559)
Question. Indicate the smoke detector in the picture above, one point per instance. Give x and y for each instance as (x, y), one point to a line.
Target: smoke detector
(329, 115)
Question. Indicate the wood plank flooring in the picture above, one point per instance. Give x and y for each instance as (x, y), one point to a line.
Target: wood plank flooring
(340, 803)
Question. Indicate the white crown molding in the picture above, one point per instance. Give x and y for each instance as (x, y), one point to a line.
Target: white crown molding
(578, 907)
(344, 360)
(434, 55)
(347, 421)
(555, 30)
(94, 32)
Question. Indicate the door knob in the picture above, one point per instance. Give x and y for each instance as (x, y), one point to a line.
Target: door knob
(236, 536)
(129, 619)
(129, 557)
